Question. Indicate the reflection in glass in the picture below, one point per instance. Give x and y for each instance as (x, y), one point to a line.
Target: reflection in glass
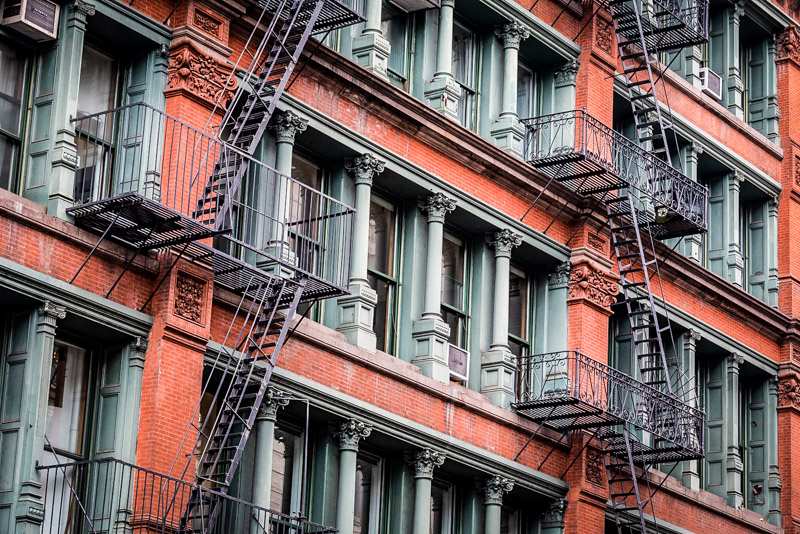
(66, 402)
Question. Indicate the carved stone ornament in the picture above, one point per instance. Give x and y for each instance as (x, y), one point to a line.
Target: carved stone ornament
(207, 23)
(189, 294)
(797, 170)
(789, 392)
(789, 44)
(559, 278)
(286, 125)
(201, 75)
(567, 74)
(364, 168)
(436, 206)
(512, 34)
(349, 433)
(603, 36)
(273, 400)
(494, 488)
(596, 242)
(139, 344)
(84, 8)
(595, 467)
(51, 310)
(503, 242)
(588, 283)
(424, 462)
(553, 517)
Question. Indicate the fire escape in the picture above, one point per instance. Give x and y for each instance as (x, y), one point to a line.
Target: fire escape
(151, 182)
(653, 419)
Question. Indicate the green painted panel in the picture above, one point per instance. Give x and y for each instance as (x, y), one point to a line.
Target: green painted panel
(13, 385)
(756, 422)
(715, 402)
(755, 446)
(46, 75)
(40, 122)
(5, 518)
(107, 422)
(18, 342)
(8, 447)
(37, 170)
(715, 478)
(715, 439)
(324, 479)
(111, 369)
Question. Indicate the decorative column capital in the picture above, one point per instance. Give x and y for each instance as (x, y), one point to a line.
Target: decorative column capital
(588, 283)
(735, 179)
(424, 462)
(364, 168)
(83, 8)
(735, 360)
(448, 3)
(493, 488)
(567, 74)
(690, 339)
(789, 44)
(559, 277)
(273, 400)
(553, 517)
(137, 350)
(503, 242)
(349, 433)
(512, 34)
(436, 206)
(286, 124)
(51, 312)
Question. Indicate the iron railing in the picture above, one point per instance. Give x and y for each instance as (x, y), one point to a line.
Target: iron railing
(273, 222)
(570, 377)
(574, 146)
(665, 24)
(109, 495)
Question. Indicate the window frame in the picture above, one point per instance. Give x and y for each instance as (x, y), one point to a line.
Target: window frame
(525, 342)
(376, 504)
(468, 115)
(462, 314)
(19, 141)
(392, 281)
(534, 93)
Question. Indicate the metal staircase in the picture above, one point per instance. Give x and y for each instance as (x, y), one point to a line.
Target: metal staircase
(623, 484)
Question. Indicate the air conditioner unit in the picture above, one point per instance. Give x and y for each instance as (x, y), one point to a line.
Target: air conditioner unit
(458, 361)
(711, 83)
(38, 19)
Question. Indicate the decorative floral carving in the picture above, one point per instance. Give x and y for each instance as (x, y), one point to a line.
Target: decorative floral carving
(201, 75)
(503, 241)
(207, 23)
(189, 298)
(596, 242)
(436, 206)
(512, 34)
(364, 168)
(789, 44)
(595, 467)
(797, 170)
(590, 284)
(52, 311)
(494, 488)
(553, 517)
(603, 36)
(286, 125)
(567, 74)
(789, 393)
(559, 278)
(424, 462)
(273, 400)
(349, 433)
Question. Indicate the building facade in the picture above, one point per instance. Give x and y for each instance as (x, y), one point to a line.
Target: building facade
(438, 262)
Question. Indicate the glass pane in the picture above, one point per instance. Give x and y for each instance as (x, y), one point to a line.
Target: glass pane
(463, 54)
(517, 348)
(90, 174)
(304, 209)
(283, 455)
(12, 72)
(367, 497)
(508, 521)
(453, 272)
(8, 148)
(525, 93)
(384, 320)
(393, 27)
(457, 324)
(441, 508)
(66, 403)
(518, 305)
(97, 87)
(380, 256)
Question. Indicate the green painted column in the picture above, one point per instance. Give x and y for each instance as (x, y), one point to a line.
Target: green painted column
(690, 475)
(64, 158)
(348, 434)
(264, 443)
(33, 420)
(553, 517)
(357, 310)
(498, 366)
(692, 244)
(423, 463)
(565, 80)
(774, 483)
(772, 251)
(371, 49)
(493, 489)
(430, 333)
(773, 112)
(442, 92)
(507, 131)
(734, 260)
(693, 56)
(137, 349)
(735, 87)
(733, 461)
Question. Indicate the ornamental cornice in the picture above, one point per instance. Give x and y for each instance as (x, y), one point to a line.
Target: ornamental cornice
(588, 283)
(424, 462)
(349, 433)
(493, 488)
(789, 44)
(503, 242)
(512, 34)
(200, 75)
(436, 206)
(364, 168)
(286, 125)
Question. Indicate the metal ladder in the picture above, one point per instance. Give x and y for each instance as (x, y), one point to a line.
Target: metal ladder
(238, 396)
(286, 35)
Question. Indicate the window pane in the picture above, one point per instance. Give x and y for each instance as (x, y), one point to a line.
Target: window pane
(458, 330)
(384, 319)
(381, 238)
(508, 521)
(367, 496)
(12, 71)
(97, 85)
(453, 272)
(463, 54)
(525, 93)
(441, 508)
(8, 148)
(394, 27)
(518, 305)
(66, 403)
(283, 460)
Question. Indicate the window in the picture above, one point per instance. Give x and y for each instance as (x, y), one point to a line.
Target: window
(381, 259)
(518, 313)
(464, 61)
(396, 28)
(509, 521)
(96, 92)
(454, 306)
(369, 476)
(12, 93)
(304, 217)
(66, 402)
(287, 470)
(442, 507)
(527, 99)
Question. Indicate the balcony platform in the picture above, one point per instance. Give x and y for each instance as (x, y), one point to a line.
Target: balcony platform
(666, 24)
(571, 391)
(576, 149)
(334, 15)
